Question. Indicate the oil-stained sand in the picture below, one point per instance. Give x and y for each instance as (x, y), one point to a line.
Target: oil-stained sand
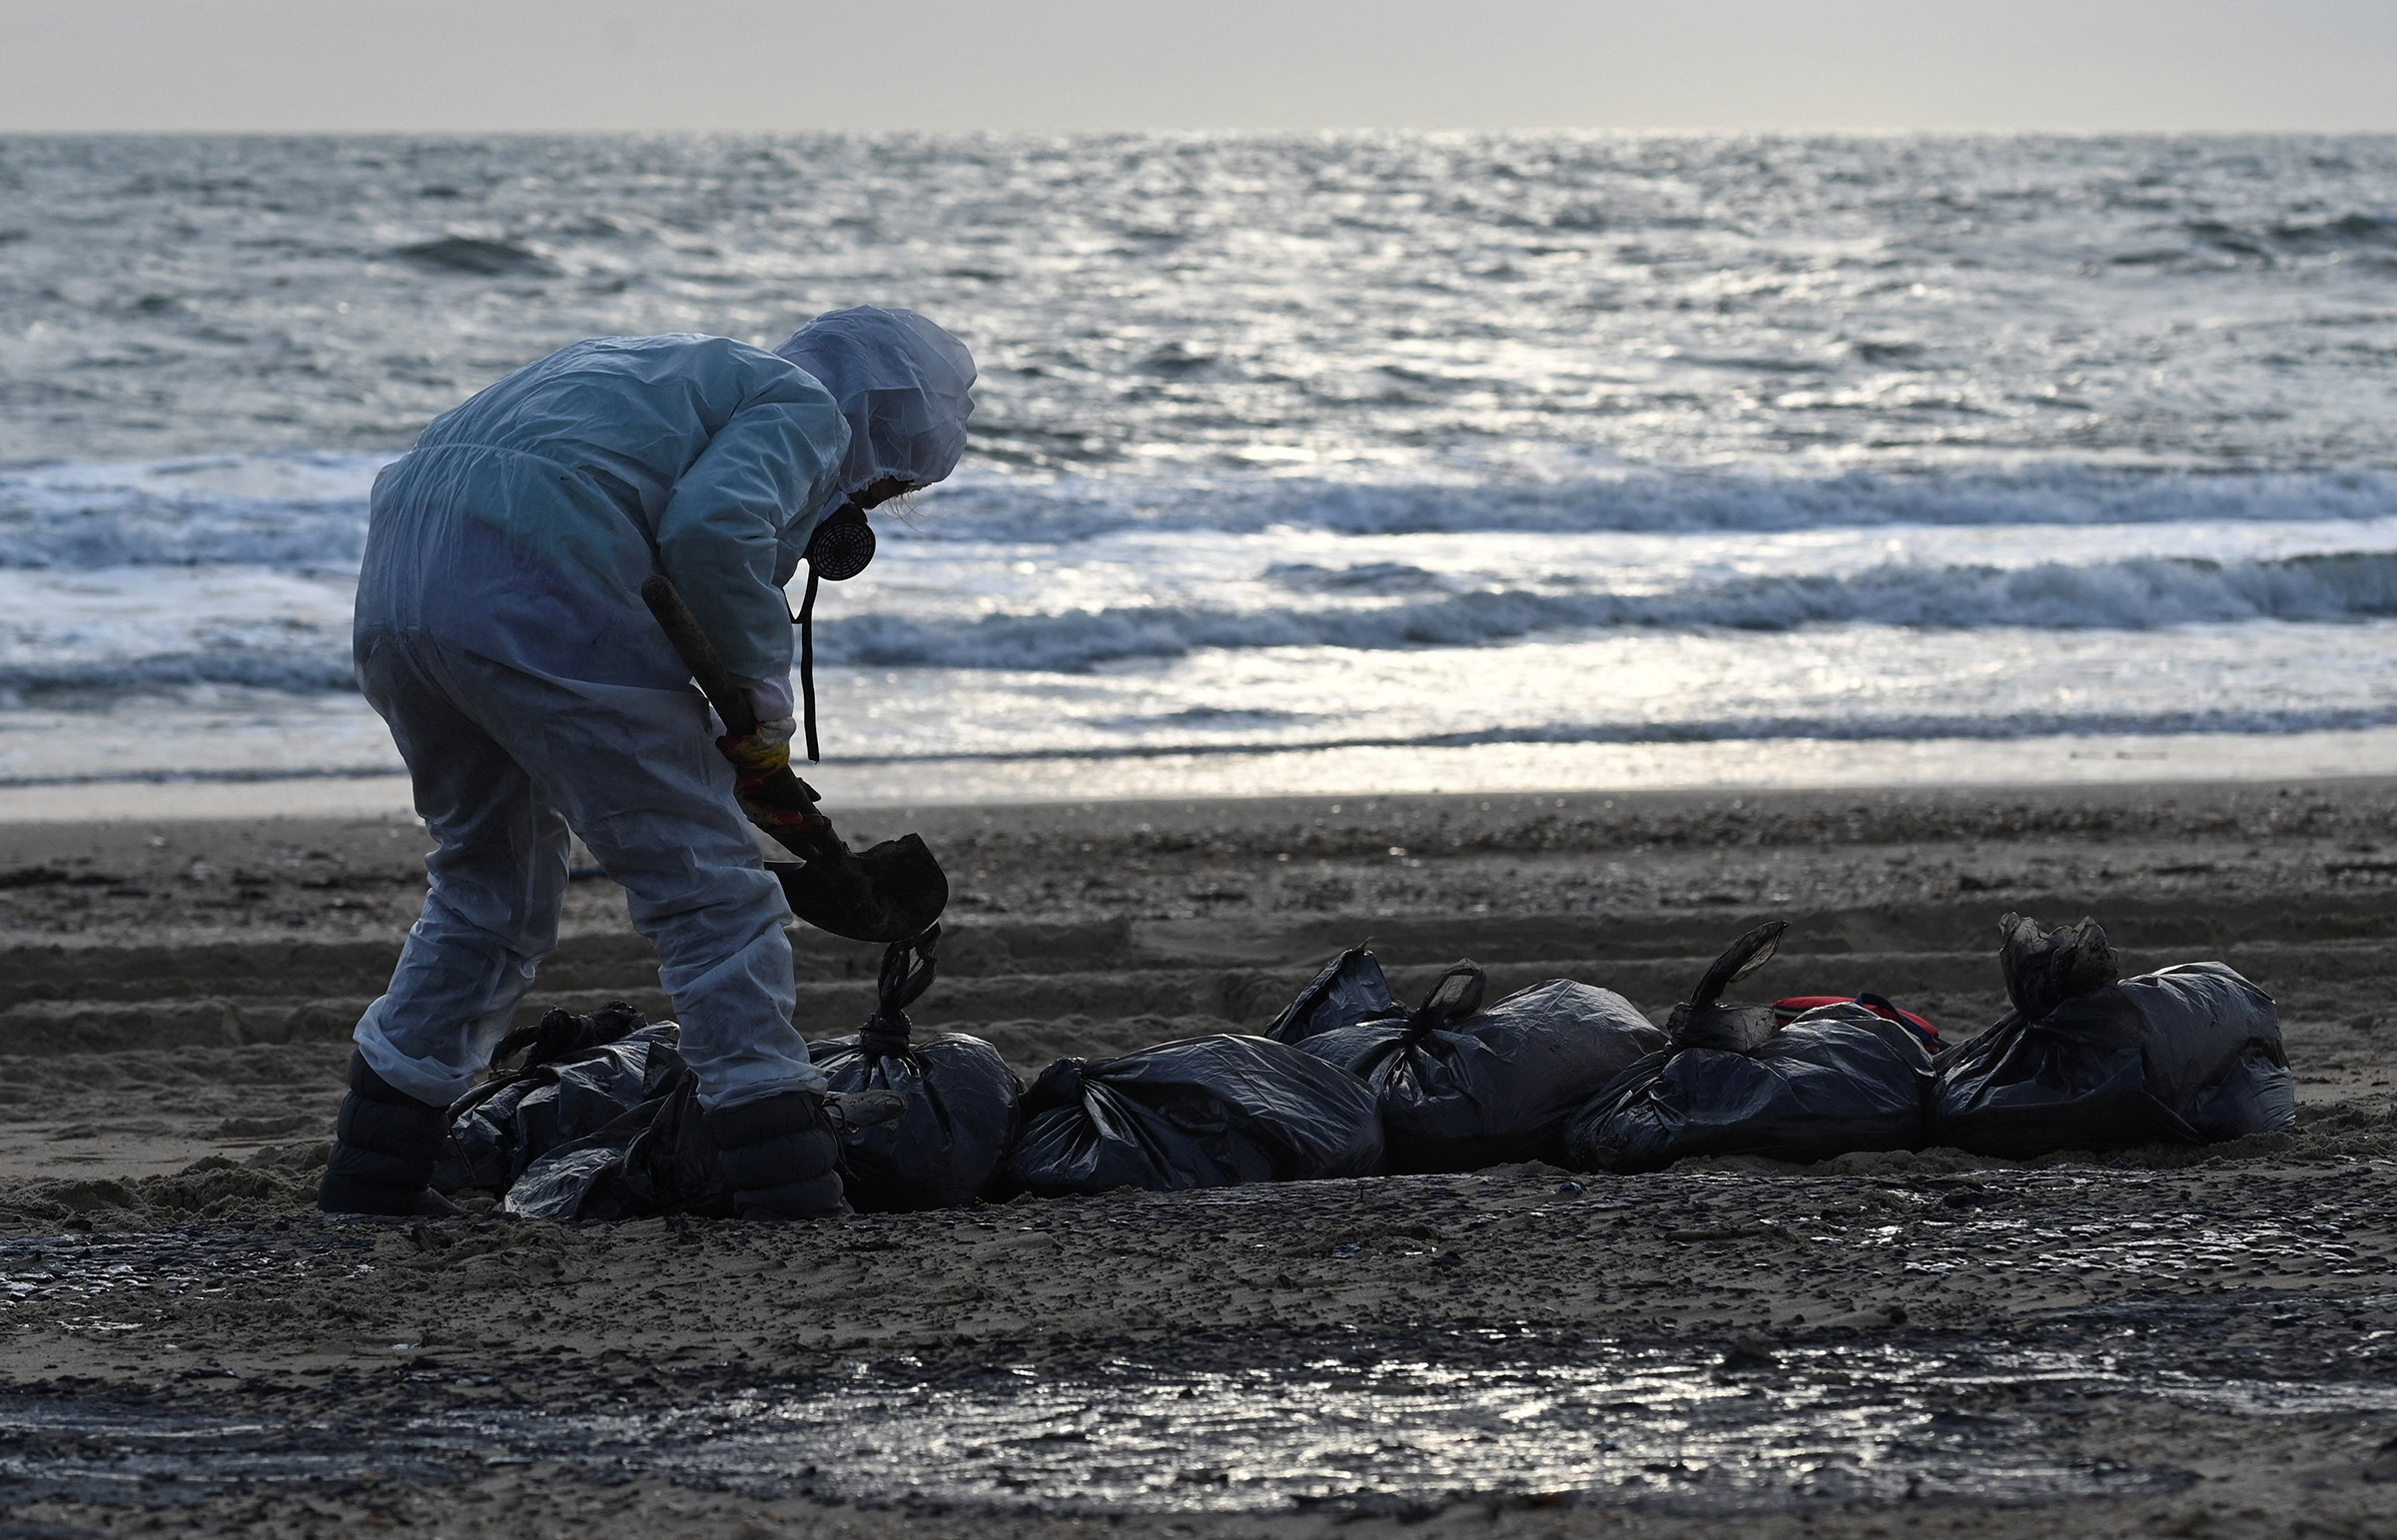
(2160, 1341)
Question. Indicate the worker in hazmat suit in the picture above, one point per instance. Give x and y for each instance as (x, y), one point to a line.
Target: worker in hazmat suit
(502, 635)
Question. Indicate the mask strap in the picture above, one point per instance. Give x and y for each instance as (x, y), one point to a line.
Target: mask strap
(807, 664)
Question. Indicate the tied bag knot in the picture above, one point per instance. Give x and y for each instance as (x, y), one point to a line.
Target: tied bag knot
(908, 969)
(1703, 1020)
(1454, 997)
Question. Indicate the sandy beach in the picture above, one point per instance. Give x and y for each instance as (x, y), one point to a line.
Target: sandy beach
(1907, 511)
(2166, 1340)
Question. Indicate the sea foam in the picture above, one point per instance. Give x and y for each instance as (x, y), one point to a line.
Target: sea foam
(2139, 594)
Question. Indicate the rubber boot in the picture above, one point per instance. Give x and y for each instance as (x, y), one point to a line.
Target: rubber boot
(383, 1150)
(779, 1154)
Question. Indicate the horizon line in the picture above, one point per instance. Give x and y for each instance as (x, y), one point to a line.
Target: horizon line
(1092, 132)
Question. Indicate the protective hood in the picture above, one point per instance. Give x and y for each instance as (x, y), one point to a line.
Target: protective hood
(900, 384)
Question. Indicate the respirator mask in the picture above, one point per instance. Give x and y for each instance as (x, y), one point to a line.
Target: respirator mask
(841, 547)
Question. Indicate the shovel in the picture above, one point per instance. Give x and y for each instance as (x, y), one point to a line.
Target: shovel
(887, 894)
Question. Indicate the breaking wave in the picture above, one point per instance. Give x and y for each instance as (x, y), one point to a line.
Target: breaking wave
(309, 511)
(281, 511)
(2136, 595)
(294, 672)
(2127, 595)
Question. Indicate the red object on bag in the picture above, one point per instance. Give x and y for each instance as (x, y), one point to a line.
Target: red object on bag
(1788, 1010)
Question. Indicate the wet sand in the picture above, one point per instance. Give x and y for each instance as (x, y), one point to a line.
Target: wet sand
(2163, 1340)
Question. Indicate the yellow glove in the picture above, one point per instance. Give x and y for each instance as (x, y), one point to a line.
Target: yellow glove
(771, 797)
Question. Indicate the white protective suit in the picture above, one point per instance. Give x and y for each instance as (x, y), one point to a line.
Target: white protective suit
(501, 634)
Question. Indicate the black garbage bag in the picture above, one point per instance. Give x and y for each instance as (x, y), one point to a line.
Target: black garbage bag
(1349, 989)
(598, 1121)
(1207, 1112)
(1735, 1080)
(577, 1074)
(652, 1159)
(949, 1143)
(2086, 1060)
(1462, 1088)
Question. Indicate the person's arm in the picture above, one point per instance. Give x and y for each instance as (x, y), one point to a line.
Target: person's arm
(720, 536)
(773, 701)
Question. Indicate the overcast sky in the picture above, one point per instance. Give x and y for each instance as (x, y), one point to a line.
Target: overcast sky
(948, 64)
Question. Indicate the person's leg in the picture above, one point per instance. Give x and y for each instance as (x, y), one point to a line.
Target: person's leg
(497, 880)
(638, 777)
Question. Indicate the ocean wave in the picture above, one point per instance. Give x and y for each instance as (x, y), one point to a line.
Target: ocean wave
(2353, 232)
(2136, 595)
(992, 506)
(2127, 595)
(479, 256)
(309, 511)
(295, 673)
(283, 512)
(1368, 577)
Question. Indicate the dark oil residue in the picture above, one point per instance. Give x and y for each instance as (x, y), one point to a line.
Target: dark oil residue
(1668, 1427)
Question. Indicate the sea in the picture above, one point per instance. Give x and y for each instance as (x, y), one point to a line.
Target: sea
(1343, 462)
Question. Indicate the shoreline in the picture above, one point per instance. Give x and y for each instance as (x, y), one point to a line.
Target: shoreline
(1801, 767)
(2161, 805)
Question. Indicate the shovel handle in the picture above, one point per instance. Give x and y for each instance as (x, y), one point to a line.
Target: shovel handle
(781, 788)
(698, 654)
